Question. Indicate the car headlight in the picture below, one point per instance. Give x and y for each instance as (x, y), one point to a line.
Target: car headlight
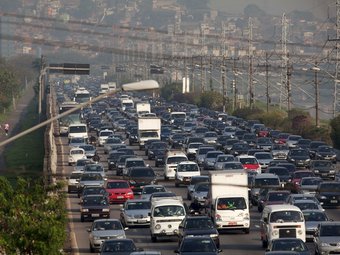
(121, 237)
(325, 245)
(84, 210)
(331, 171)
(308, 159)
(323, 197)
(158, 226)
(106, 210)
(213, 235)
(96, 237)
(316, 171)
(275, 233)
(129, 193)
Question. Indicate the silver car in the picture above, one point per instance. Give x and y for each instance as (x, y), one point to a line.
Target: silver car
(327, 238)
(104, 229)
(312, 220)
(221, 159)
(135, 212)
(200, 192)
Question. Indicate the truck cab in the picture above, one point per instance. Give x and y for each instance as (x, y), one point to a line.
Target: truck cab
(228, 200)
(165, 216)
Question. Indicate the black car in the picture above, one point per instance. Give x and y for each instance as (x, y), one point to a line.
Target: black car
(159, 157)
(326, 152)
(299, 157)
(138, 177)
(323, 168)
(195, 245)
(94, 206)
(156, 146)
(113, 158)
(313, 147)
(198, 226)
(240, 148)
(328, 193)
(119, 246)
(176, 140)
(281, 172)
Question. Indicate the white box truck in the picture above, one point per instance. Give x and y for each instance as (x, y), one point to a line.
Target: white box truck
(142, 108)
(227, 200)
(104, 88)
(149, 128)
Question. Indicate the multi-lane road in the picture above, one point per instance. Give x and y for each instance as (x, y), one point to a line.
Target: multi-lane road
(232, 242)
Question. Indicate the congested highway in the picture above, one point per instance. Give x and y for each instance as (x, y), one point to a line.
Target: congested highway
(231, 241)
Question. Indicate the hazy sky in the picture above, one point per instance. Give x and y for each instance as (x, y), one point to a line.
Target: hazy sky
(277, 7)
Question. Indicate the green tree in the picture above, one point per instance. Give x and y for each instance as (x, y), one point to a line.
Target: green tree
(32, 217)
(9, 87)
(211, 100)
(335, 131)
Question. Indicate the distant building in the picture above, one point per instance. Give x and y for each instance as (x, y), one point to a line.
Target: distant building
(7, 46)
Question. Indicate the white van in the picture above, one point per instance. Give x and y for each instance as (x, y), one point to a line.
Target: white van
(172, 159)
(165, 216)
(77, 130)
(279, 221)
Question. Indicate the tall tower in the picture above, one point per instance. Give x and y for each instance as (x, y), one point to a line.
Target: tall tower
(250, 55)
(284, 64)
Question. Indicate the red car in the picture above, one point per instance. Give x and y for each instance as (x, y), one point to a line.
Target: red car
(119, 191)
(298, 175)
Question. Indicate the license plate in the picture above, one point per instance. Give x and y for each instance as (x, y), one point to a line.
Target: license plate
(141, 221)
(120, 197)
(95, 215)
(334, 201)
(232, 223)
(169, 234)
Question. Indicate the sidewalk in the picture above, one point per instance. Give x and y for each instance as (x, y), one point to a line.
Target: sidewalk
(14, 118)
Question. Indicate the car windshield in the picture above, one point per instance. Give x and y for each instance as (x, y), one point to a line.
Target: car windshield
(191, 246)
(106, 225)
(202, 188)
(117, 185)
(75, 175)
(232, 165)
(176, 160)
(246, 161)
(289, 245)
(198, 179)
(286, 216)
(198, 223)
(314, 216)
(95, 200)
(93, 168)
(233, 203)
(279, 171)
(138, 205)
(263, 156)
(132, 163)
(266, 182)
(91, 177)
(277, 196)
(324, 163)
(150, 190)
(329, 230)
(142, 173)
(118, 247)
(169, 211)
(187, 168)
(331, 187)
(299, 153)
(310, 181)
(225, 158)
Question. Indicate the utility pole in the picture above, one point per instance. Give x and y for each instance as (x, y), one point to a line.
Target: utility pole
(210, 79)
(250, 55)
(202, 81)
(223, 76)
(266, 66)
(235, 83)
(193, 74)
(316, 69)
(289, 87)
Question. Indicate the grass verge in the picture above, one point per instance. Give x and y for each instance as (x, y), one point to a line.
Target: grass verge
(24, 157)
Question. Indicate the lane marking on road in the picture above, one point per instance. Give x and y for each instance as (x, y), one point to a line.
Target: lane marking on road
(73, 238)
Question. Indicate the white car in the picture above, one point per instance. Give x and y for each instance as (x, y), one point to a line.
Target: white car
(75, 154)
(184, 171)
(73, 180)
(104, 135)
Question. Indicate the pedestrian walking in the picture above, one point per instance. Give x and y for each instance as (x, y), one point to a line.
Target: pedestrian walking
(6, 128)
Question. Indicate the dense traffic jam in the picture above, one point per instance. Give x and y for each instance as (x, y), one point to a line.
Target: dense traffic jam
(227, 164)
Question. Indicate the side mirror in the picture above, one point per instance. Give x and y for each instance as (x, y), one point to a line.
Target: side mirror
(265, 220)
(149, 214)
(89, 230)
(219, 250)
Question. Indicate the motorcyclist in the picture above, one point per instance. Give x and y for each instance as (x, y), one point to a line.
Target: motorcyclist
(195, 206)
(96, 157)
(92, 140)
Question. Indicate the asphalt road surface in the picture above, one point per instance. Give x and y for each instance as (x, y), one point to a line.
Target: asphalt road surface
(232, 242)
